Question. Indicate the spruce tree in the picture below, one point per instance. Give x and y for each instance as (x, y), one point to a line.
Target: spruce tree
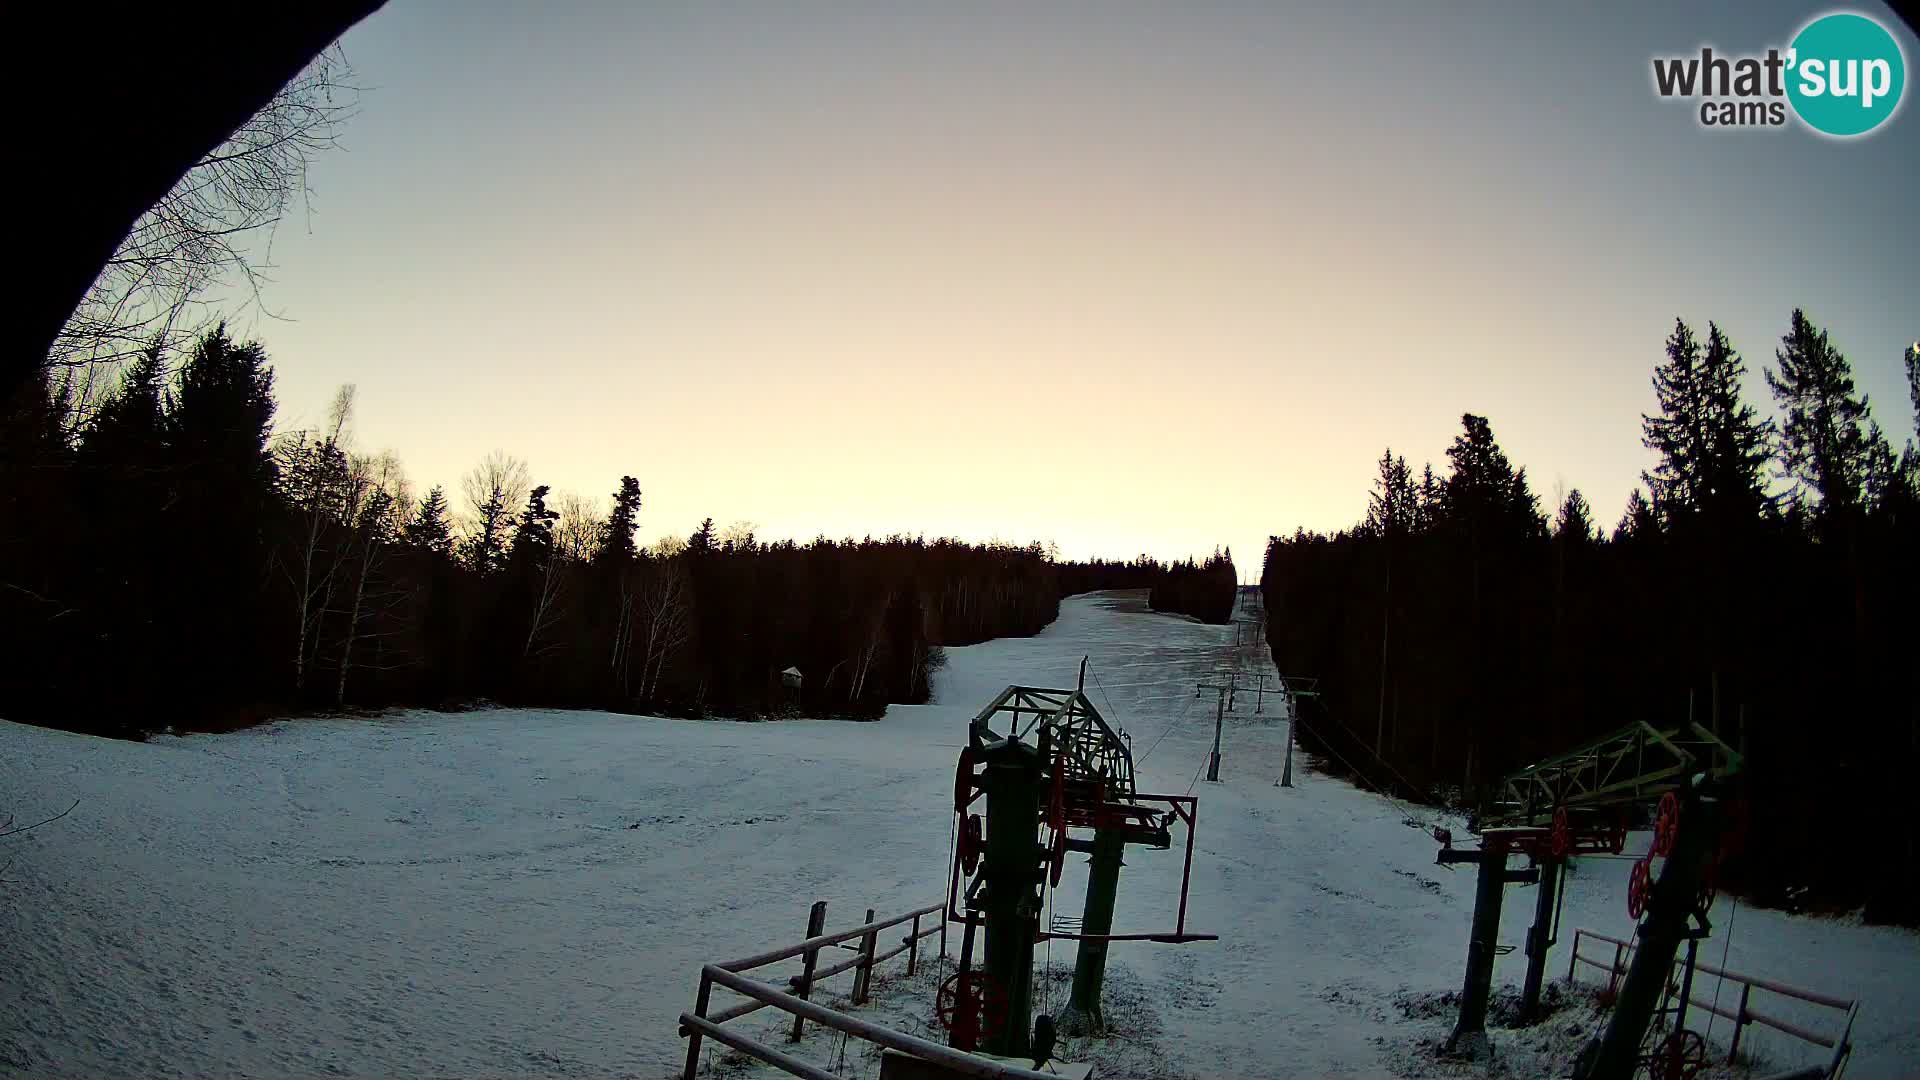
(1738, 444)
(126, 430)
(1484, 495)
(1639, 521)
(617, 543)
(533, 535)
(1393, 507)
(1824, 446)
(1574, 522)
(429, 529)
(1678, 434)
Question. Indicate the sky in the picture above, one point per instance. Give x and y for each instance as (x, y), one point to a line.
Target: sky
(1129, 278)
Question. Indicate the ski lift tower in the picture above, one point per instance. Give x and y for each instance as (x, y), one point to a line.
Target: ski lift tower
(1054, 764)
(1580, 802)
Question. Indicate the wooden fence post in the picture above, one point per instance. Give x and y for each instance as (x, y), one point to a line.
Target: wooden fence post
(913, 946)
(863, 972)
(700, 1010)
(1739, 1021)
(816, 925)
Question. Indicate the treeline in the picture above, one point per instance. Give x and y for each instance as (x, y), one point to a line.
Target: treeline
(1764, 583)
(1205, 590)
(167, 560)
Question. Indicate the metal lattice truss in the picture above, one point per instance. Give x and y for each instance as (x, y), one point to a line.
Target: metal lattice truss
(1093, 752)
(1634, 764)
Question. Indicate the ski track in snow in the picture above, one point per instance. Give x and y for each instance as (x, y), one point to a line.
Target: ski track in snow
(464, 894)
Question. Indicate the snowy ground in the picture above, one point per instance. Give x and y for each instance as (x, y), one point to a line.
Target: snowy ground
(517, 893)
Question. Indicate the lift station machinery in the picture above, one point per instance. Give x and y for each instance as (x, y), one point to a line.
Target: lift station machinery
(1054, 778)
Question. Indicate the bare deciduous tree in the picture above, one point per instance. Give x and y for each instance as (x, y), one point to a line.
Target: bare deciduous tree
(313, 475)
(494, 488)
(582, 524)
(378, 497)
(665, 620)
(215, 225)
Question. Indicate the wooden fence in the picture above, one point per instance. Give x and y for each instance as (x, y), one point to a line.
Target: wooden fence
(699, 1024)
(1742, 1013)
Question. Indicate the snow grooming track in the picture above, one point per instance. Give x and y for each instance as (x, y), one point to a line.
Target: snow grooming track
(465, 894)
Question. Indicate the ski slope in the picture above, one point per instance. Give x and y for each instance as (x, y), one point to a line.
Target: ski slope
(531, 893)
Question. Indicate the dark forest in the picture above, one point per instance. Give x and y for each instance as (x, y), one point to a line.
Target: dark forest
(171, 562)
(1764, 583)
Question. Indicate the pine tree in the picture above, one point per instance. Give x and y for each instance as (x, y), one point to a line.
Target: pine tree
(617, 542)
(429, 529)
(1824, 446)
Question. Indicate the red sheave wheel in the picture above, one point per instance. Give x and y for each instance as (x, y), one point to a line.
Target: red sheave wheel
(1666, 825)
(1682, 1055)
(1639, 884)
(1562, 833)
(972, 1005)
(963, 781)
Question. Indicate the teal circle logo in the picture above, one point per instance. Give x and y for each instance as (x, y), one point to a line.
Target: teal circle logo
(1845, 74)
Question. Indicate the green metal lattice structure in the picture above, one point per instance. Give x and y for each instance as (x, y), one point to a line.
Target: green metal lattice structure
(1635, 764)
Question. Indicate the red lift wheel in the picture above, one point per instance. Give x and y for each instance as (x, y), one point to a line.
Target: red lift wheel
(1639, 884)
(963, 781)
(1682, 1055)
(1562, 833)
(1057, 858)
(972, 1003)
(971, 844)
(1666, 825)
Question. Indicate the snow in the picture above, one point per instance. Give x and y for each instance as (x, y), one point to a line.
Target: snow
(531, 893)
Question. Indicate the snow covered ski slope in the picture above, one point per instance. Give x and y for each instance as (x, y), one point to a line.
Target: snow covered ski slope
(531, 893)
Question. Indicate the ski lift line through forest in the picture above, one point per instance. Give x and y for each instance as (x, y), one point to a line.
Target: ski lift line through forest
(1407, 816)
(1411, 786)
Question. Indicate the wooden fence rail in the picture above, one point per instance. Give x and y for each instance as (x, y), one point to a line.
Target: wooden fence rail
(1742, 1013)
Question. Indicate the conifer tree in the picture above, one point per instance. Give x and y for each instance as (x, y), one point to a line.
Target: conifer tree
(1393, 507)
(429, 529)
(1639, 521)
(1574, 522)
(1824, 444)
(1678, 434)
(533, 535)
(617, 543)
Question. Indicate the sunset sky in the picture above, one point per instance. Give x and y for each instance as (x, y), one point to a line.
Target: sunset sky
(1131, 278)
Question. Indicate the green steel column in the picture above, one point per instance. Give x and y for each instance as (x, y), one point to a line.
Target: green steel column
(1662, 930)
(1472, 1025)
(1539, 939)
(1013, 783)
(1083, 1015)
